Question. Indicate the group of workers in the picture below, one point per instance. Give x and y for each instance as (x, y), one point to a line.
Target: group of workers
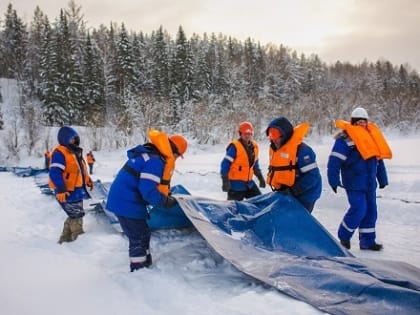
(355, 164)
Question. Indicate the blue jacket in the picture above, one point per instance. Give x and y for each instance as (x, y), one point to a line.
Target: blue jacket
(308, 185)
(237, 185)
(58, 165)
(130, 194)
(356, 173)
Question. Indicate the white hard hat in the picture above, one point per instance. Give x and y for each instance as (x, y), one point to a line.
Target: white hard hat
(359, 112)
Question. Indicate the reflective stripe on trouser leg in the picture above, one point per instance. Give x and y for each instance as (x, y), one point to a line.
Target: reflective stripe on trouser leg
(138, 234)
(367, 232)
(354, 215)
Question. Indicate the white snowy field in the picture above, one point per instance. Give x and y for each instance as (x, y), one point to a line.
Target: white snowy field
(91, 275)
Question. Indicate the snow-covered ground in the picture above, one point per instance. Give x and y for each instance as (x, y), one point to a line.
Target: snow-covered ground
(91, 276)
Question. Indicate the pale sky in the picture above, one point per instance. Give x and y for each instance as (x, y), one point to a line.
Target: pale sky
(345, 30)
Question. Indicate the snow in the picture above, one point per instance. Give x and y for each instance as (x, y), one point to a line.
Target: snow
(91, 275)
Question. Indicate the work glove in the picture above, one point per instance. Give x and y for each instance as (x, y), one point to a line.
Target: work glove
(382, 186)
(90, 184)
(334, 189)
(261, 180)
(62, 197)
(297, 190)
(169, 202)
(284, 189)
(225, 184)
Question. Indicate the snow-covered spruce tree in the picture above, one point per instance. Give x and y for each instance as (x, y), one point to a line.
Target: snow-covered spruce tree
(33, 56)
(125, 80)
(13, 45)
(181, 76)
(94, 86)
(160, 64)
(49, 75)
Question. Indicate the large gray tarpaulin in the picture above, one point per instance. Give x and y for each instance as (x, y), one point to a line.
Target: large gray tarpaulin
(275, 240)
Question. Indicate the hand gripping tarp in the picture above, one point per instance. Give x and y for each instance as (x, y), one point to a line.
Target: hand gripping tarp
(275, 240)
(159, 217)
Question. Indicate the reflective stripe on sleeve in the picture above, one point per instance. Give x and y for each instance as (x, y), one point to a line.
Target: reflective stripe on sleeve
(61, 166)
(151, 177)
(308, 167)
(339, 155)
(229, 158)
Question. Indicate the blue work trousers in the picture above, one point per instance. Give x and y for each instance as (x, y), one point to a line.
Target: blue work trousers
(362, 214)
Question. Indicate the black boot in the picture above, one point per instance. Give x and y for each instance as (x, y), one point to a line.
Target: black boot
(138, 265)
(346, 244)
(375, 247)
(148, 260)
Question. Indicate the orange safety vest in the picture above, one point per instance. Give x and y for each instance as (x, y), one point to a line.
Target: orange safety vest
(369, 142)
(240, 168)
(89, 158)
(72, 174)
(161, 141)
(48, 155)
(282, 162)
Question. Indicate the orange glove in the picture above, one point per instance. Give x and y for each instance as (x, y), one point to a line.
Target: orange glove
(90, 184)
(61, 197)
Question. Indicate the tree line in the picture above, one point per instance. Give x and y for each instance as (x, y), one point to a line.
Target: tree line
(204, 85)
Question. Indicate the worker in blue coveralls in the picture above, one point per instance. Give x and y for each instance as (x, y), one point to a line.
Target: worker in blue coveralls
(240, 164)
(357, 155)
(144, 180)
(68, 177)
(292, 163)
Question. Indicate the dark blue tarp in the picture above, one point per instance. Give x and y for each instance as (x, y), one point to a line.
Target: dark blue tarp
(160, 217)
(41, 180)
(274, 239)
(23, 171)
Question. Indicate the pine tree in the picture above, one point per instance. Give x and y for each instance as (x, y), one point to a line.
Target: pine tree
(181, 76)
(126, 73)
(160, 64)
(68, 89)
(138, 53)
(33, 57)
(14, 45)
(94, 90)
(125, 79)
(49, 76)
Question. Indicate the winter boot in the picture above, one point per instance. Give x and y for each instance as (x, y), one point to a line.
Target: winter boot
(76, 228)
(375, 247)
(66, 234)
(346, 244)
(135, 264)
(148, 259)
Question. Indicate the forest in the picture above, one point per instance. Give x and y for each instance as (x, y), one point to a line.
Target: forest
(127, 81)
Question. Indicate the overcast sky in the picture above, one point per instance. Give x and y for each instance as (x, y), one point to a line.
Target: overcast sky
(345, 30)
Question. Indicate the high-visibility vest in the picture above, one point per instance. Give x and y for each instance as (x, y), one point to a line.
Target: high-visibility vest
(369, 141)
(72, 174)
(282, 162)
(240, 169)
(89, 158)
(161, 141)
